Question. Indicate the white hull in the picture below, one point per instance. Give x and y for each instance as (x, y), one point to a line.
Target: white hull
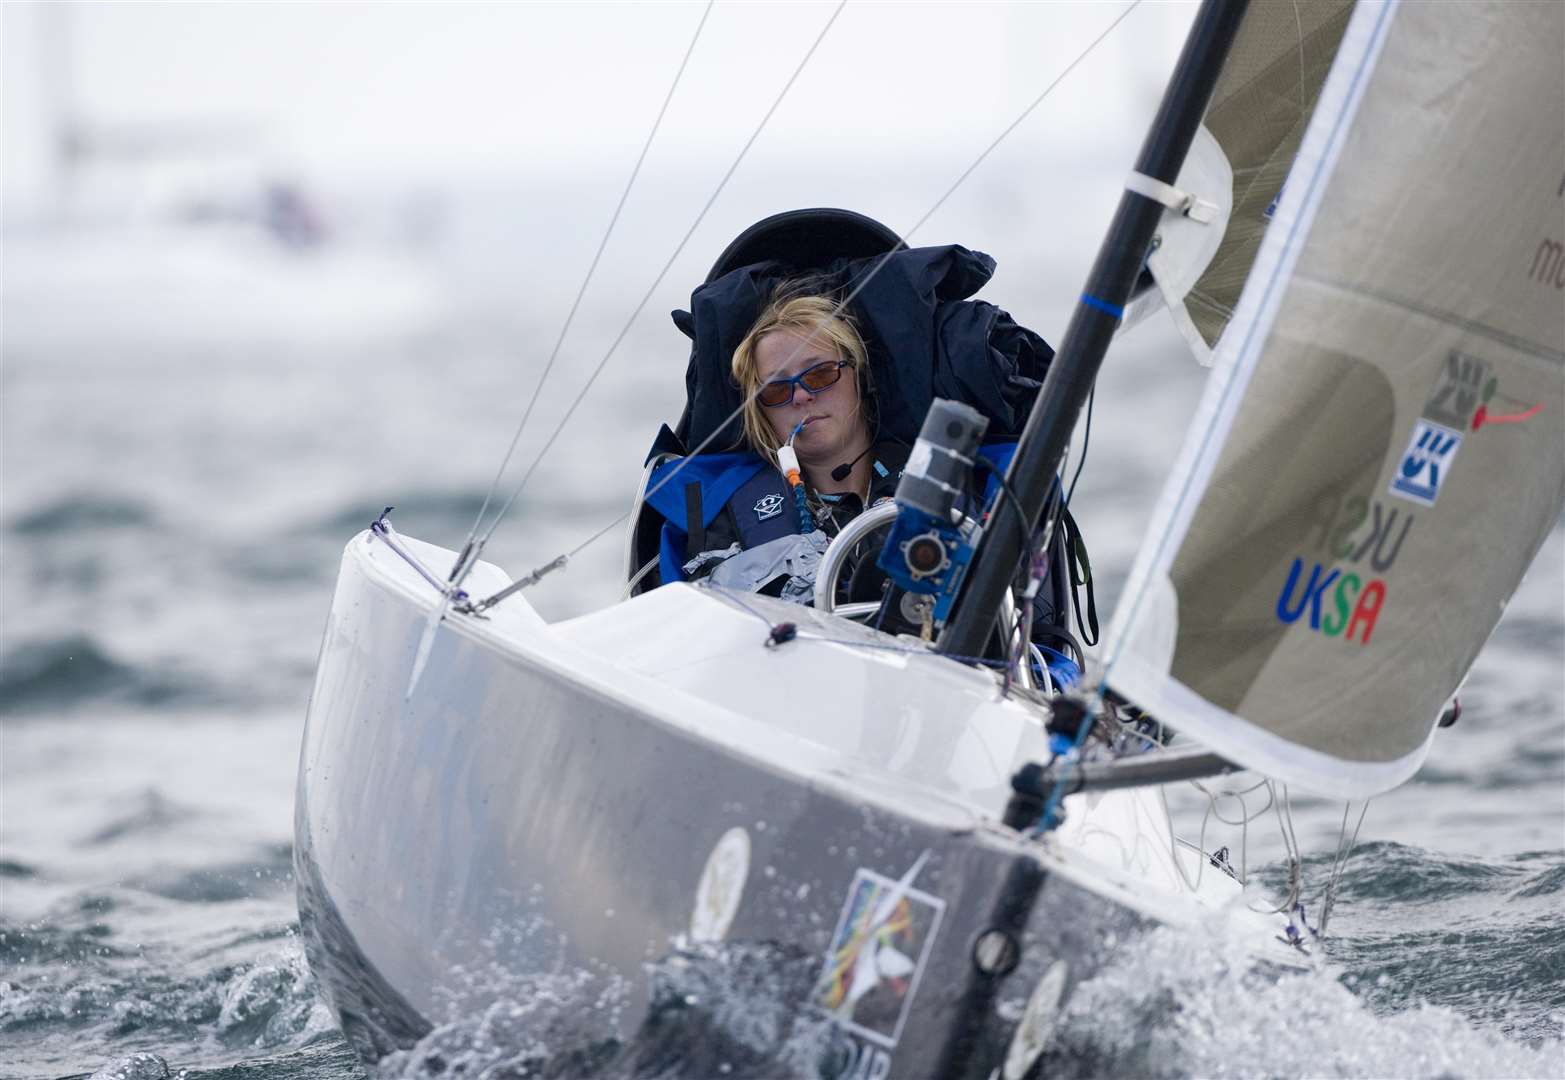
(591, 795)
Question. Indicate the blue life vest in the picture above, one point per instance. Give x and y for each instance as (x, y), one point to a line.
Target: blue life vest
(762, 504)
(699, 491)
(763, 510)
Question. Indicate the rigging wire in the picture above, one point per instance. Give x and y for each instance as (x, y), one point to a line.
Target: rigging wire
(1290, 842)
(737, 412)
(1340, 863)
(1173, 845)
(1242, 823)
(668, 265)
(505, 462)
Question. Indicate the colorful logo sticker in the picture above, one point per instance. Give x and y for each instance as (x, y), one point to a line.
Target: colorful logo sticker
(877, 954)
(1463, 400)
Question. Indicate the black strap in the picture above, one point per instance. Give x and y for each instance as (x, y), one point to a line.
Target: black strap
(1081, 574)
(1060, 635)
(695, 531)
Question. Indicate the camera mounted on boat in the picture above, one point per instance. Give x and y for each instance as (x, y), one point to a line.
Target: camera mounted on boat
(927, 551)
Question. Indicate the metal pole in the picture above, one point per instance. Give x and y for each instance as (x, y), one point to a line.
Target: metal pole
(1141, 770)
(1091, 329)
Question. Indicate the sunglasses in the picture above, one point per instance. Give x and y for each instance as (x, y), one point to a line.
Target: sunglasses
(779, 392)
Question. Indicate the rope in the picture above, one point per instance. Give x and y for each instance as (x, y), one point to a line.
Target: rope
(906, 234)
(468, 552)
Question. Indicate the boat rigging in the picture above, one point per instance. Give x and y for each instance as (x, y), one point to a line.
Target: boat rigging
(475, 543)
(938, 835)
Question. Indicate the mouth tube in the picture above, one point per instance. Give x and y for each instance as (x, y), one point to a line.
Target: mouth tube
(788, 462)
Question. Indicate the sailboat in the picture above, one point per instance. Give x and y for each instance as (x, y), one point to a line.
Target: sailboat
(1353, 211)
(176, 235)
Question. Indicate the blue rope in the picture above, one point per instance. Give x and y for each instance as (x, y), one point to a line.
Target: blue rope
(806, 523)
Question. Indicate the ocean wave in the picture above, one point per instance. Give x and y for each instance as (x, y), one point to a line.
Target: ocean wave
(241, 880)
(1547, 882)
(1182, 1002)
(1477, 936)
(74, 670)
(732, 1010)
(1504, 975)
(1384, 870)
(149, 811)
(142, 1066)
(270, 1003)
(84, 511)
(23, 945)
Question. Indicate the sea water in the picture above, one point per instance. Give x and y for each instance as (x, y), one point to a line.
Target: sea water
(173, 513)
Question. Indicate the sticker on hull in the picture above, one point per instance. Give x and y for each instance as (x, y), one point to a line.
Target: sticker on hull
(721, 887)
(877, 954)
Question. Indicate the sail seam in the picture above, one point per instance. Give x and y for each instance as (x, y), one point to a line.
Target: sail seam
(1471, 326)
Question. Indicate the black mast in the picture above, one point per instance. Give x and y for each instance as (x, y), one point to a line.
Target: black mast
(1091, 329)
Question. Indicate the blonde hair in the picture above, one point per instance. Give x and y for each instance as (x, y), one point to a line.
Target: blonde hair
(816, 318)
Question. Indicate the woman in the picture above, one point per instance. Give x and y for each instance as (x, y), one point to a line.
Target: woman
(768, 345)
(804, 372)
(790, 368)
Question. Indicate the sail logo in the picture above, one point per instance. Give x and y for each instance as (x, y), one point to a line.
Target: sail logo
(1462, 401)
(1462, 384)
(1345, 601)
(1337, 602)
(1426, 462)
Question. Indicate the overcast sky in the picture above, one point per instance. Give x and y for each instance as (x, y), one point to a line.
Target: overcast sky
(422, 90)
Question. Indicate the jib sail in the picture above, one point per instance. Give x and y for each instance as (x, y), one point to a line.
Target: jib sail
(1377, 457)
(1237, 165)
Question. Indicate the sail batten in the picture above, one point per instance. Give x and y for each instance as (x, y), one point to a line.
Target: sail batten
(1377, 457)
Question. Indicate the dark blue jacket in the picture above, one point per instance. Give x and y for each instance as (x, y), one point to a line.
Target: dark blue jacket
(925, 339)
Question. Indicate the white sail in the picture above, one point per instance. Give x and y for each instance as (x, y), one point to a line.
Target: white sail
(1238, 163)
(1377, 457)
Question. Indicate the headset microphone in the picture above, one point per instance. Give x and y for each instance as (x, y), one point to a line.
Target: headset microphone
(840, 473)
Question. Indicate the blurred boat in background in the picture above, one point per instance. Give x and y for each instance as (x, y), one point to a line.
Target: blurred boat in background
(188, 234)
